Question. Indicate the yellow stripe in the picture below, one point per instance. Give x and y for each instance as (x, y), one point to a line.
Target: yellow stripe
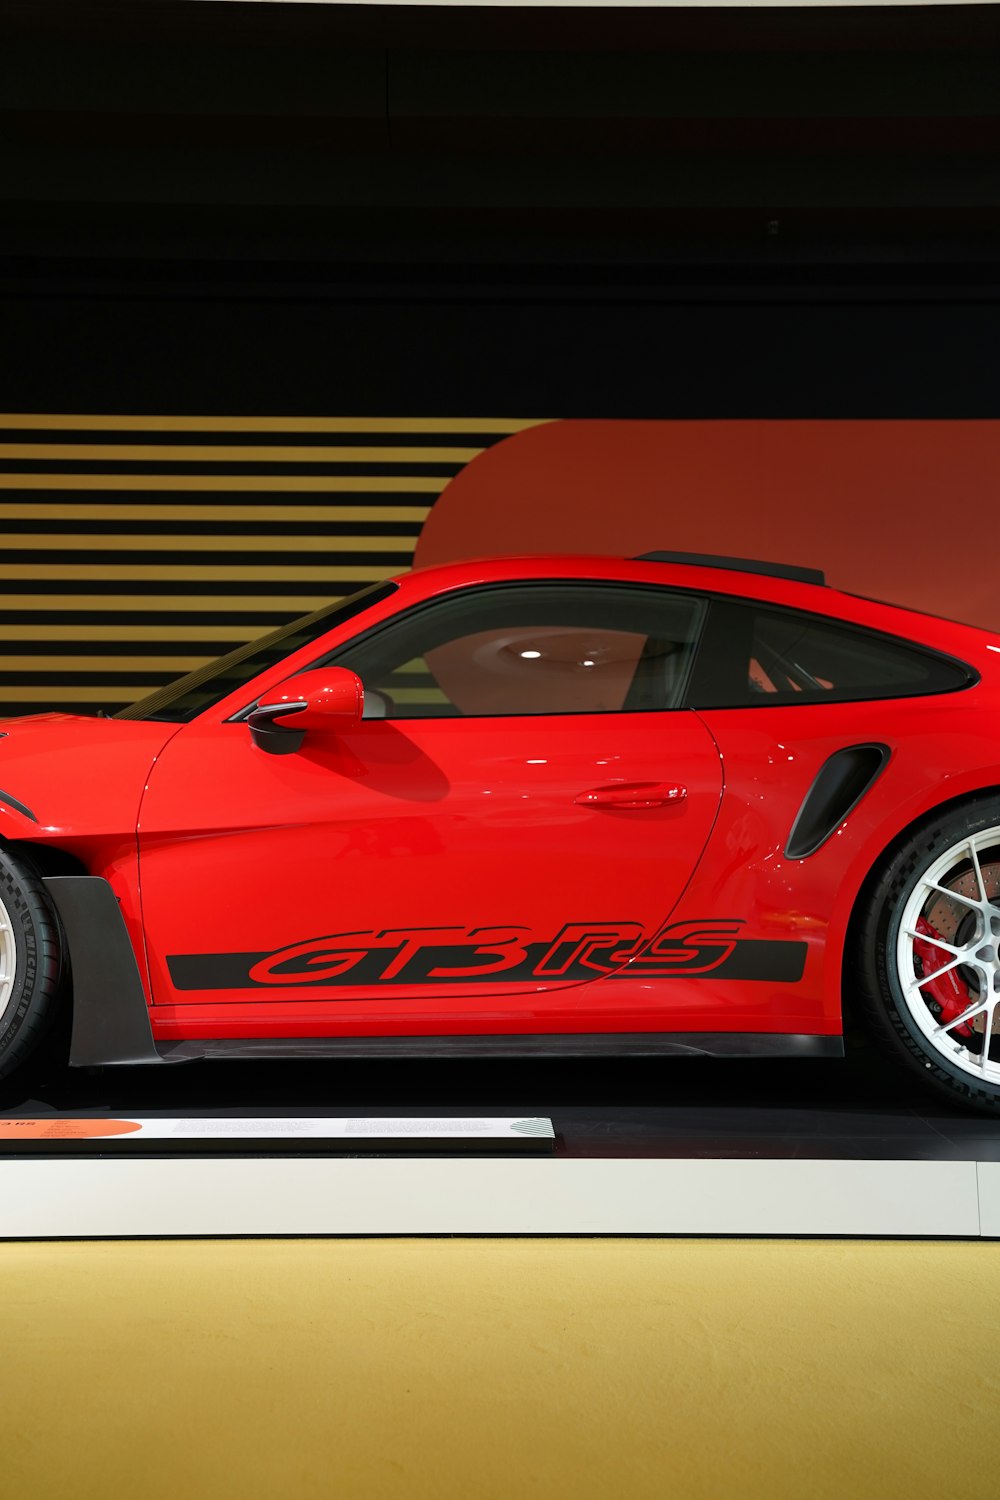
(113, 693)
(28, 542)
(209, 453)
(294, 604)
(69, 665)
(375, 484)
(125, 631)
(49, 421)
(84, 510)
(189, 573)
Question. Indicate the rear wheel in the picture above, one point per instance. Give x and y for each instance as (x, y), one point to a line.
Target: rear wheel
(29, 962)
(929, 954)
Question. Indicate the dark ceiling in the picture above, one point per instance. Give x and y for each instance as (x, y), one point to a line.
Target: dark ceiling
(266, 144)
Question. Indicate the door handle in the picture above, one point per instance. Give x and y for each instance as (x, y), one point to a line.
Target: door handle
(632, 794)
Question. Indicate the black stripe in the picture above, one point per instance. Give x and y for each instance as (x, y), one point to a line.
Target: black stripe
(11, 681)
(312, 588)
(238, 618)
(124, 646)
(236, 528)
(305, 556)
(15, 709)
(376, 469)
(781, 962)
(235, 498)
(327, 588)
(148, 439)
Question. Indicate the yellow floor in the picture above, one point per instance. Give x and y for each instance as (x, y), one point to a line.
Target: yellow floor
(509, 1369)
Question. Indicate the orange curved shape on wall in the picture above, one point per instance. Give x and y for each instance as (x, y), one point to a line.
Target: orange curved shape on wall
(901, 510)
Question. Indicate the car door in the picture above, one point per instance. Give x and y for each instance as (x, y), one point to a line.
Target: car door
(518, 814)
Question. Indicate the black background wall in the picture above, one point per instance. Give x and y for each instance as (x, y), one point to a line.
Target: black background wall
(604, 211)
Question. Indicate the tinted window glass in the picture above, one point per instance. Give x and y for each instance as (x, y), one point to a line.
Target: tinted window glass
(753, 656)
(529, 649)
(183, 700)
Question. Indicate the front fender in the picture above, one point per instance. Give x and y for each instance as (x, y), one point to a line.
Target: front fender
(17, 819)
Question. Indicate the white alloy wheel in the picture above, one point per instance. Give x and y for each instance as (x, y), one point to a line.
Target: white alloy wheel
(947, 954)
(922, 963)
(8, 961)
(30, 961)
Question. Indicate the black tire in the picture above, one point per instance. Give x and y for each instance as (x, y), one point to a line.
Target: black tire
(875, 971)
(30, 936)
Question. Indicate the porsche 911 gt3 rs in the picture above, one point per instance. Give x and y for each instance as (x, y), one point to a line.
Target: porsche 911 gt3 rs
(566, 804)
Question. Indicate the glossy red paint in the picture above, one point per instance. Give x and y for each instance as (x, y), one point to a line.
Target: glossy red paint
(328, 699)
(583, 872)
(83, 779)
(439, 828)
(771, 756)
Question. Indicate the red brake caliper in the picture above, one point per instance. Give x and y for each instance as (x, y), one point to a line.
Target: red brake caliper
(946, 990)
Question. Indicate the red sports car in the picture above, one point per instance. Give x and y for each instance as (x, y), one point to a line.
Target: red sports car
(556, 804)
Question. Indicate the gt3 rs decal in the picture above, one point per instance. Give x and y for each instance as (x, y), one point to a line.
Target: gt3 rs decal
(505, 954)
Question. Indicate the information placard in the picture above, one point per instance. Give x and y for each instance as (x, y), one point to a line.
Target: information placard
(280, 1132)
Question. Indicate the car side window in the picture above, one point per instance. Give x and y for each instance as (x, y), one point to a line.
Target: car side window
(753, 655)
(546, 648)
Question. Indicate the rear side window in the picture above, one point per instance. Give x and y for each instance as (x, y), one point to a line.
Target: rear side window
(752, 656)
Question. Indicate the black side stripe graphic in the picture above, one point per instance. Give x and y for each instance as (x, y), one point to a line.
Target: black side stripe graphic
(447, 964)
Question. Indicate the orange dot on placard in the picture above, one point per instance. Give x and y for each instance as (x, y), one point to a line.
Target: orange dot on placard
(63, 1130)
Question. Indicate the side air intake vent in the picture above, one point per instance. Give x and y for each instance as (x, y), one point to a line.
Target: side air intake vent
(840, 784)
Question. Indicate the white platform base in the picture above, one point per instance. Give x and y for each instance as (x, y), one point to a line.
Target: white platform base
(46, 1198)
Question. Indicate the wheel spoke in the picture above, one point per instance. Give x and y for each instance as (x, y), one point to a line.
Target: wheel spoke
(943, 890)
(967, 1015)
(984, 1061)
(980, 882)
(924, 937)
(918, 983)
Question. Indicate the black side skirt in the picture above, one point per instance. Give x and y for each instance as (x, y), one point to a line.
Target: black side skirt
(560, 1044)
(111, 1018)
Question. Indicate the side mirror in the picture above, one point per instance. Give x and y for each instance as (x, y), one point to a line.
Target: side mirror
(328, 698)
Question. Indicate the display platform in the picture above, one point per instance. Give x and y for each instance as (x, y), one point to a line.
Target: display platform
(640, 1146)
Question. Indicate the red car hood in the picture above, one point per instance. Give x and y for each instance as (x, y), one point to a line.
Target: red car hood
(61, 774)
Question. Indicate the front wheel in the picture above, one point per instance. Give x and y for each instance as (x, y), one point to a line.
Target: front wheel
(928, 954)
(29, 962)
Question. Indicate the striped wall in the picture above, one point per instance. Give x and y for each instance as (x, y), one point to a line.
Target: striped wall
(137, 548)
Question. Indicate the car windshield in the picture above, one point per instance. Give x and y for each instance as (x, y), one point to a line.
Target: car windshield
(179, 702)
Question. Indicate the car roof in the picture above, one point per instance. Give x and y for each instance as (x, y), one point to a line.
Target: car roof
(780, 584)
